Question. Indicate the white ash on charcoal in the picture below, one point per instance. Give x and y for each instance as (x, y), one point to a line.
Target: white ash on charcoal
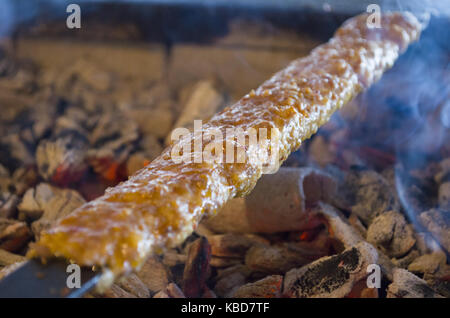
(14, 235)
(268, 287)
(390, 232)
(337, 226)
(111, 142)
(8, 258)
(61, 159)
(45, 204)
(369, 194)
(197, 269)
(426, 243)
(406, 260)
(438, 223)
(408, 285)
(280, 258)
(428, 263)
(276, 204)
(417, 187)
(33, 202)
(154, 275)
(202, 101)
(332, 276)
(13, 106)
(348, 236)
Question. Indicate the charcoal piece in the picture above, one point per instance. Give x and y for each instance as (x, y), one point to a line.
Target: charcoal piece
(428, 263)
(439, 281)
(61, 203)
(197, 268)
(89, 73)
(134, 286)
(8, 204)
(403, 262)
(157, 121)
(233, 245)
(15, 152)
(14, 235)
(408, 285)
(154, 275)
(61, 160)
(332, 276)
(370, 193)
(418, 188)
(438, 223)
(278, 259)
(111, 142)
(390, 232)
(115, 291)
(426, 243)
(337, 226)
(269, 287)
(173, 258)
(35, 200)
(221, 262)
(226, 285)
(171, 291)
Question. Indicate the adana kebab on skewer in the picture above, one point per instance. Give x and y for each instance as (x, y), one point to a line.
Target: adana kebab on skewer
(161, 204)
